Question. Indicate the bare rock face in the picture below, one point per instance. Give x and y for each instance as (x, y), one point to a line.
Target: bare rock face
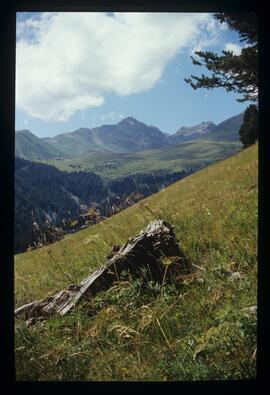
(147, 251)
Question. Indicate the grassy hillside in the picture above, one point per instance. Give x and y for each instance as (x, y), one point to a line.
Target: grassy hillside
(193, 330)
(227, 130)
(172, 159)
(29, 146)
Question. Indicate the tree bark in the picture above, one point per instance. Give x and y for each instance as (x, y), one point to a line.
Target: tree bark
(140, 255)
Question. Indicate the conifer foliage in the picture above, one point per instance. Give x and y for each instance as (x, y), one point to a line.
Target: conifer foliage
(237, 73)
(249, 131)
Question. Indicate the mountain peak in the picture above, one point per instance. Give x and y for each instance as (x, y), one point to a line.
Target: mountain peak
(201, 128)
(128, 121)
(23, 131)
(82, 129)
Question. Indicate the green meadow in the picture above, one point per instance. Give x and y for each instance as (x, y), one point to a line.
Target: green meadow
(171, 159)
(197, 329)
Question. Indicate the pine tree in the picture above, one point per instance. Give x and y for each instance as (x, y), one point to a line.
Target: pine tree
(237, 73)
(249, 131)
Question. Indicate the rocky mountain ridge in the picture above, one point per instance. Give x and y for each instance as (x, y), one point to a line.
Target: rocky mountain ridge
(128, 135)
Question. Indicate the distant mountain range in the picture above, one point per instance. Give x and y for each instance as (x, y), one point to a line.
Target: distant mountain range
(129, 135)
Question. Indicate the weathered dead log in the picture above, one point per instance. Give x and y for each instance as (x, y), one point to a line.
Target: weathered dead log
(147, 251)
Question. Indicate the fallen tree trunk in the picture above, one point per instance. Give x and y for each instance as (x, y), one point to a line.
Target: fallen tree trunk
(142, 255)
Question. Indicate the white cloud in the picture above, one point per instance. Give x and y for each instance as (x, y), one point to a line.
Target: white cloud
(66, 62)
(209, 36)
(235, 48)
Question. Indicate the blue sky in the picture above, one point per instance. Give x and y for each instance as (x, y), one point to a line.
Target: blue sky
(85, 70)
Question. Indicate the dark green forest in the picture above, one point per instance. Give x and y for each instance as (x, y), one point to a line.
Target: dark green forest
(48, 200)
(43, 196)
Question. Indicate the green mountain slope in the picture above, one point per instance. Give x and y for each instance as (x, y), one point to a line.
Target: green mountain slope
(77, 142)
(44, 195)
(29, 146)
(198, 329)
(227, 130)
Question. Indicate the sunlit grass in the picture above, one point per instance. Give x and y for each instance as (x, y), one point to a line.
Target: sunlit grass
(193, 330)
